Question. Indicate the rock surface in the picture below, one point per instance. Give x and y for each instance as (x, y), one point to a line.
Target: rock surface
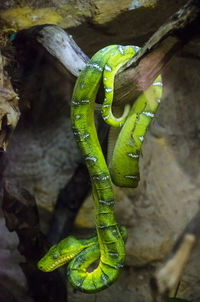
(42, 154)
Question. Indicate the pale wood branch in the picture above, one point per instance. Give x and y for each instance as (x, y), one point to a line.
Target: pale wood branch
(168, 276)
(142, 69)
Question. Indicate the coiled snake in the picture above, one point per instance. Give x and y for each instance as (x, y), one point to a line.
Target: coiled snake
(108, 244)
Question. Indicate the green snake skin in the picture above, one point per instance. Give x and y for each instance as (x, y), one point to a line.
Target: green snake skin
(108, 244)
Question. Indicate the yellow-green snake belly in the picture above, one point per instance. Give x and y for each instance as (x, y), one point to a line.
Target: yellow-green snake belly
(123, 170)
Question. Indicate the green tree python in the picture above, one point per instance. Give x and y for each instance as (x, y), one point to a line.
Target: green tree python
(108, 244)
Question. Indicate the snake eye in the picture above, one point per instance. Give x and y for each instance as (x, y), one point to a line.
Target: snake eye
(55, 256)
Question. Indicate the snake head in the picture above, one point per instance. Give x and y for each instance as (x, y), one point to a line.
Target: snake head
(60, 254)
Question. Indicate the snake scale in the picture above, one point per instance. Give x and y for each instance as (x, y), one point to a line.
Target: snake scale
(107, 246)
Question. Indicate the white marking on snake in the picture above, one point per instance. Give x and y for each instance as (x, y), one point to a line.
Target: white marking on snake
(132, 155)
(95, 66)
(158, 84)
(91, 158)
(77, 116)
(75, 103)
(147, 113)
(141, 138)
(108, 89)
(103, 49)
(85, 101)
(106, 117)
(76, 132)
(104, 278)
(102, 178)
(85, 135)
(113, 254)
(108, 68)
(106, 202)
(121, 49)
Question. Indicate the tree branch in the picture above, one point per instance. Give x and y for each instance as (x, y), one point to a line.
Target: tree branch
(168, 276)
(140, 72)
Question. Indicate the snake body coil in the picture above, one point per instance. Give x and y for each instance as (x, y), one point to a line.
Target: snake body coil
(124, 170)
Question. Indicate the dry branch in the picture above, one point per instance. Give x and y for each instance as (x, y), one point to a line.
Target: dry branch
(168, 276)
(141, 71)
